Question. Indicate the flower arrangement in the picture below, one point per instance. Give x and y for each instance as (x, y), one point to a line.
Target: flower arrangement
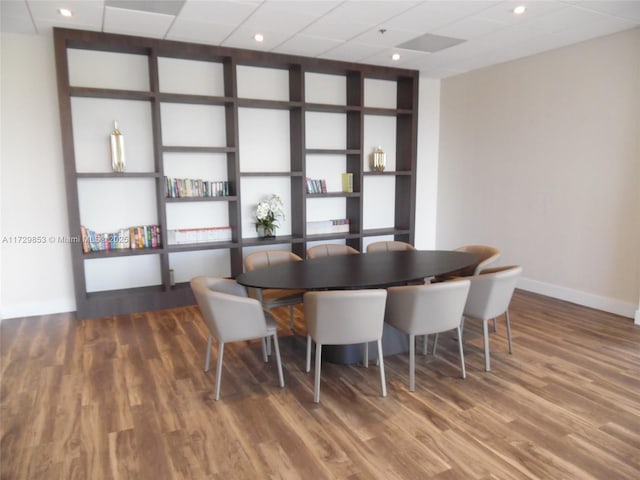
(268, 213)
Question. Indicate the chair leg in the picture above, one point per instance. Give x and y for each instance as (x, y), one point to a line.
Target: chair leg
(464, 372)
(276, 347)
(316, 381)
(485, 332)
(495, 325)
(219, 369)
(263, 343)
(292, 317)
(412, 362)
(461, 326)
(365, 360)
(207, 359)
(506, 314)
(435, 344)
(383, 382)
(308, 365)
(425, 344)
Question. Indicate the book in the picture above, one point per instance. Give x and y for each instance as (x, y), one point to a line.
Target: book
(347, 182)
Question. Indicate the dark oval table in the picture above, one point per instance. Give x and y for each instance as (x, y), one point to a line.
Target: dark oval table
(369, 270)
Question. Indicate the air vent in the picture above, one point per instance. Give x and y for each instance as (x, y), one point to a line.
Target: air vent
(165, 7)
(430, 43)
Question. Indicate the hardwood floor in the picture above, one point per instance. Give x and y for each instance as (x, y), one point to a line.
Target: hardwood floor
(126, 398)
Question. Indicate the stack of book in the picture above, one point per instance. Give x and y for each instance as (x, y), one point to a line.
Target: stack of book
(143, 236)
(199, 235)
(189, 187)
(316, 186)
(328, 226)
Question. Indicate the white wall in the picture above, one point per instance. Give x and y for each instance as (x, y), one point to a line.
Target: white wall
(541, 158)
(36, 277)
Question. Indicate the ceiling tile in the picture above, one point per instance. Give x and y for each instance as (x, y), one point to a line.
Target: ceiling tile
(431, 15)
(351, 52)
(390, 37)
(218, 12)
(335, 27)
(86, 15)
(407, 57)
(198, 32)
(468, 28)
(133, 22)
(370, 12)
(243, 38)
(503, 11)
(270, 17)
(306, 45)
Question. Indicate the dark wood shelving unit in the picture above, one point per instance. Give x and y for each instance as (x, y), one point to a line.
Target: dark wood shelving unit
(165, 294)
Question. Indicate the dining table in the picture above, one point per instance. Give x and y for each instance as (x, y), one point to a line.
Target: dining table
(367, 270)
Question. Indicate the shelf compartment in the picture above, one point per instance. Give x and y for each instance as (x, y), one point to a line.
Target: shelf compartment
(91, 92)
(329, 108)
(333, 195)
(270, 174)
(190, 247)
(117, 175)
(230, 198)
(188, 149)
(270, 104)
(194, 99)
(256, 242)
(332, 151)
(375, 232)
(122, 252)
(332, 236)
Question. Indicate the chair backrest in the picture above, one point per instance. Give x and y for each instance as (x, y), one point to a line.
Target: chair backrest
(388, 245)
(341, 317)
(229, 313)
(331, 250)
(267, 258)
(486, 256)
(491, 292)
(425, 309)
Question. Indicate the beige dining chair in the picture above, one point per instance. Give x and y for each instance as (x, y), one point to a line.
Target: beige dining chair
(272, 297)
(389, 245)
(232, 317)
(489, 298)
(331, 250)
(425, 310)
(486, 256)
(344, 317)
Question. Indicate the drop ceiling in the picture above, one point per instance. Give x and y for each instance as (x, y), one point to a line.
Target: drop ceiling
(351, 30)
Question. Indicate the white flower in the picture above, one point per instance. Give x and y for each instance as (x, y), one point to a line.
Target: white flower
(269, 211)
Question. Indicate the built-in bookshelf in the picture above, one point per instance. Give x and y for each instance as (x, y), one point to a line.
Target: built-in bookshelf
(209, 132)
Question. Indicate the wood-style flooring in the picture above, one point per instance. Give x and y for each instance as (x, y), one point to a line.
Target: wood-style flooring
(126, 398)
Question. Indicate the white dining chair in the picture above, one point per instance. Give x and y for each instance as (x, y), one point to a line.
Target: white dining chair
(232, 317)
(489, 298)
(344, 317)
(427, 309)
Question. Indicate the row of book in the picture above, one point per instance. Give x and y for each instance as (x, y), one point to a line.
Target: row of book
(340, 225)
(143, 236)
(190, 187)
(198, 235)
(316, 186)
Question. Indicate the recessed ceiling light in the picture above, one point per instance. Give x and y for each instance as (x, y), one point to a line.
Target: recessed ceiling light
(258, 37)
(65, 12)
(395, 56)
(519, 10)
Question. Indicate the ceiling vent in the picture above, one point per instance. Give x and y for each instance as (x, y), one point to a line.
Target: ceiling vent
(430, 43)
(165, 7)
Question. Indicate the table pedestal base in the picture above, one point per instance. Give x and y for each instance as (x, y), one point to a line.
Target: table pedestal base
(393, 342)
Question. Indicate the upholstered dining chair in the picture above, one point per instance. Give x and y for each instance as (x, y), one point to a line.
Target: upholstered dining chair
(232, 317)
(486, 256)
(271, 297)
(343, 317)
(331, 250)
(388, 245)
(489, 297)
(427, 309)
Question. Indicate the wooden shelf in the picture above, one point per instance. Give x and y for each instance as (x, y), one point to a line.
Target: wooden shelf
(165, 295)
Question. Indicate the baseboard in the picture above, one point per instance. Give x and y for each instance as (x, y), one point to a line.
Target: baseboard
(591, 300)
(32, 308)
